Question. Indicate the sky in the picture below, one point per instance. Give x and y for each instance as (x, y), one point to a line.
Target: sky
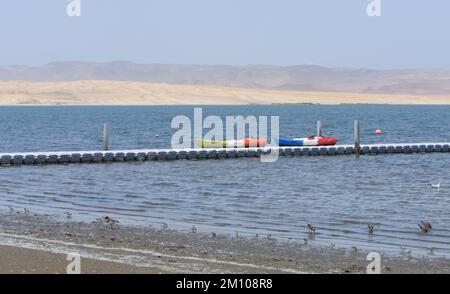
(333, 33)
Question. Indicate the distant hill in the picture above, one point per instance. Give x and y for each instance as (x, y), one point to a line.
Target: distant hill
(310, 78)
(96, 92)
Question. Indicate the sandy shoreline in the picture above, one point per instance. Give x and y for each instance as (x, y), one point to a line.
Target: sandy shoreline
(39, 244)
(97, 92)
(18, 260)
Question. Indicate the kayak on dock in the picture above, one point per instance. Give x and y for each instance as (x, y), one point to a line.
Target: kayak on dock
(283, 142)
(243, 143)
(310, 141)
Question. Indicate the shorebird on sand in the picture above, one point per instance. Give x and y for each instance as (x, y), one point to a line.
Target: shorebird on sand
(425, 226)
(107, 220)
(270, 238)
(370, 228)
(110, 220)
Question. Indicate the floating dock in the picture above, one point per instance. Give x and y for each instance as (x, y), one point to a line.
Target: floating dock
(68, 157)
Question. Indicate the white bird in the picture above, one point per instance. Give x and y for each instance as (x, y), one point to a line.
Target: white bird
(436, 186)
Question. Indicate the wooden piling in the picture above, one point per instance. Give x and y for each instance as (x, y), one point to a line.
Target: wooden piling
(105, 145)
(319, 128)
(357, 138)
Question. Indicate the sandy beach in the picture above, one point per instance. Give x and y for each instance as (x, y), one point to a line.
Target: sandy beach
(32, 243)
(97, 92)
(17, 260)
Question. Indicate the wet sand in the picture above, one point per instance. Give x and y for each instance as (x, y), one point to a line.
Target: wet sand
(96, 92)
(16, 260)
(32, 243)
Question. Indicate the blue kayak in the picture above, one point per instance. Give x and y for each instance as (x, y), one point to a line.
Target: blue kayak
(310, 141)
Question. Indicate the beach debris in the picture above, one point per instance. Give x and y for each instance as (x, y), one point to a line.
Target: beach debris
(107, 220)
(164, 226)
(425, 226)
(378, 132)
(194, 229)
(370, 228)
(436, 187)
(311, 228)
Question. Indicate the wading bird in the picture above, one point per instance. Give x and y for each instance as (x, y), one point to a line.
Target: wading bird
(425, 226)
(311, 228)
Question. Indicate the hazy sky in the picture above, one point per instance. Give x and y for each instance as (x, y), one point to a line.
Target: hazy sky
(409, 33)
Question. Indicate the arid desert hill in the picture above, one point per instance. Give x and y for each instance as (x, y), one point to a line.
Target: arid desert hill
(305, 78)
(94, 92)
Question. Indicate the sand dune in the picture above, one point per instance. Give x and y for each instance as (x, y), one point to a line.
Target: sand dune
(96, 92)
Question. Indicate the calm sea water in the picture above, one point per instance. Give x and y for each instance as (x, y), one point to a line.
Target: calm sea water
(339, 194)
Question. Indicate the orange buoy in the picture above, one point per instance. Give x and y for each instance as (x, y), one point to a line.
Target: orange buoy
(378, 132)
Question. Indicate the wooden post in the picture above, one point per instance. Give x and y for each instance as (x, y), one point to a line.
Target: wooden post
(357, 138)
(105, 145)
(319, 128)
